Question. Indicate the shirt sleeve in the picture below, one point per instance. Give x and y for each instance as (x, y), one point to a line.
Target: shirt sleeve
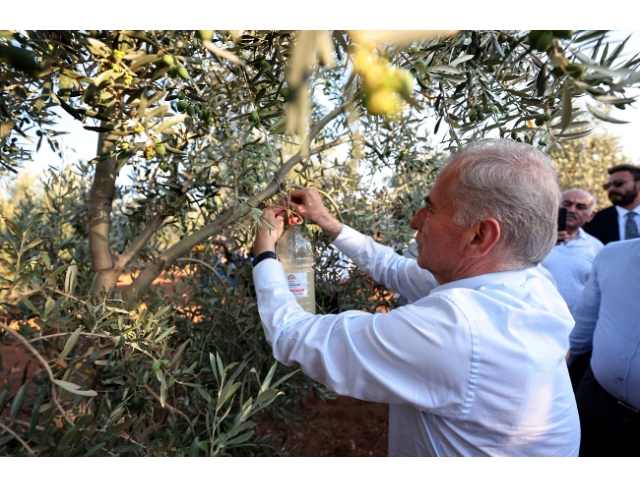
(418, 355)
(384, 265)
(585, 314)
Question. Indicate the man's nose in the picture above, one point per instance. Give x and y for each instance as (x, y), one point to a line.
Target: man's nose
(416, 221)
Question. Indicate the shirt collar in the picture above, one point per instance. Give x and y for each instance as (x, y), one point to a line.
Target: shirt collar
(623, 211)
(513, 278)
(582, 235)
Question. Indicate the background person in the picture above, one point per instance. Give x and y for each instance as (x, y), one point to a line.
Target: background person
(608, 321)
(475, 365)
(570, 260)
(621, 221)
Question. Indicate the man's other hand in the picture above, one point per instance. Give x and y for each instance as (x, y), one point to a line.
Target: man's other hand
(266, 237)
(308, 204)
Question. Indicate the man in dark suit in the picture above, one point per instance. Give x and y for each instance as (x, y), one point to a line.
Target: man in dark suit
(618, 222)
(621, 221)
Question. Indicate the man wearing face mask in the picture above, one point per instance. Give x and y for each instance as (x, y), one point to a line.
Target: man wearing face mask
(570, 261)
(621, 221)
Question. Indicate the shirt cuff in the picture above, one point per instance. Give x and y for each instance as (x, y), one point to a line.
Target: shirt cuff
(267, 272)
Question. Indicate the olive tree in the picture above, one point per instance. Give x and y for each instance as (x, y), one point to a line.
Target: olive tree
(211, 126)
(200, 117)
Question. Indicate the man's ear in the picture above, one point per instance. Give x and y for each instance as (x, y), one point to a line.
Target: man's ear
(590, 217)
(485, 235)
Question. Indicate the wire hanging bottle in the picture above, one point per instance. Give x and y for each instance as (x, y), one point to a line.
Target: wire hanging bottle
(296, 254)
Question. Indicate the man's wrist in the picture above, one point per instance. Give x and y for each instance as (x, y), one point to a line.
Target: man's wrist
(331, 225)
(264, 255)
(263, 244)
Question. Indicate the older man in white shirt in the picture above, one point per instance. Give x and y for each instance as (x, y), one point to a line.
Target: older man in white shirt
(475, 364)
(570, 260)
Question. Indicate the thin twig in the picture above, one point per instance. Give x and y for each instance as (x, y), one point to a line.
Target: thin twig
(222, 53)
(378, 152)
(36, 354)
(28, 425)
(46, 337)
(68, 295)
(13, 433)
(215, 273)
(190, 259)
(171, 409)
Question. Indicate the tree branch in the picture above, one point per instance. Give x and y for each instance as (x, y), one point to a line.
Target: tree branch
(378, 152)
(138, 244)
(168, 257)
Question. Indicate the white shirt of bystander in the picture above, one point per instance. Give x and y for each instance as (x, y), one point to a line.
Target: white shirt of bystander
(570, 265)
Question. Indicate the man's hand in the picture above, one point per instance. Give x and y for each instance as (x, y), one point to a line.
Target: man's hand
(308, 204)
(562, 236)
(266, 238)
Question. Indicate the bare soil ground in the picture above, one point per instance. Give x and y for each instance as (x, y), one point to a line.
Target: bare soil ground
(344, 427)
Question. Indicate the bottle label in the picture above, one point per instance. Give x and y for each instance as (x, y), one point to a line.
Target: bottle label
(298, 284)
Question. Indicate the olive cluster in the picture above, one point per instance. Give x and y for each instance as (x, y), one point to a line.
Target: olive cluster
(277, 99)
(191, 108)
(174, 70)
(546, 41)
(383, 86)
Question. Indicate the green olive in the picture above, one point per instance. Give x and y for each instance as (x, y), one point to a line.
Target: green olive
(183, 73)
(545, 41)
(534, 35)
(205, 35)
(575, 70)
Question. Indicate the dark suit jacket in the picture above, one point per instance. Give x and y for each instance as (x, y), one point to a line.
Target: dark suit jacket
(604, 225)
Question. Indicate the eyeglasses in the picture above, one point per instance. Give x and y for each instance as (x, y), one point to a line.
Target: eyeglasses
(616, 183)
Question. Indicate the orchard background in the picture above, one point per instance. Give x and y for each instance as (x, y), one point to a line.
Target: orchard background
(134, 302)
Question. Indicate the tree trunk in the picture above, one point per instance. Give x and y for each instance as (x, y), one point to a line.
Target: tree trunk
(100, 204)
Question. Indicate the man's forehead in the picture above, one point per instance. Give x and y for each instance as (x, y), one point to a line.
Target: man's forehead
(576, 196)
(620, 175)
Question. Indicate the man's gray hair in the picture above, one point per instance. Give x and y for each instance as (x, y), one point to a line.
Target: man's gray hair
(514, 183)
(592, 206)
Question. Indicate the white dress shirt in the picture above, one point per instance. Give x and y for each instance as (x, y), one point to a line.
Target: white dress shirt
(570, 265)
(471, 368)
(622, 219)
(608, 319)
